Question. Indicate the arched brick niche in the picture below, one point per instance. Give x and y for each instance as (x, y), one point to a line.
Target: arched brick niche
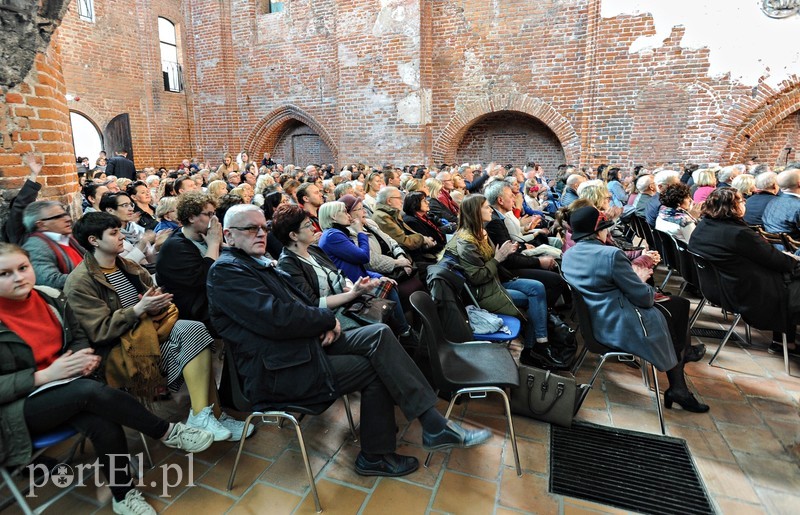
(761, 129)
(510, 137)
(446, 147)
(273, 130)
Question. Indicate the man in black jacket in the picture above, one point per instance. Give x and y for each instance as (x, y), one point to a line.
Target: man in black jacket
(290, 351)
(120, 166)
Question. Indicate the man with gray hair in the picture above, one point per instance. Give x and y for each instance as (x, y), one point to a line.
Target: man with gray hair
(767, 190)
(571, 191)
(291, 351)
(646, 188)
(726, 176)
(388, 215)
(344, 188)
(54, 251)
(662, 179)
(783, 213)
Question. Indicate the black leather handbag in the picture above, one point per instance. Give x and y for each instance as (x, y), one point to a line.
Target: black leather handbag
(368, 309)
(544, 396)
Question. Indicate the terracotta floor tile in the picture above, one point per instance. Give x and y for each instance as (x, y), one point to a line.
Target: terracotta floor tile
(779, 503)
(199, 500)
(531, 428)
(580, 506)
(527, 493)
(68, 504)
(706, 444)
(248, 470)
(270, 441)
(491, 405)
(321, 438)
(637, 419)
(775, 409)
(752, 439)
(716, 389)
(594, 416)
(703, 370)
(771, 473)
(425, 476)
(596, 399)
(726, 479)
(154, 482)
(679, 417)
(533, 456)
(215, 453)
(289, 472)
(342, 467)
(482, 461)
(734, 413)
(335, 499)
(262, 498)
(630, 395)
(787, 431)
(398, 498)
(465, 495)
(734, 507)
(758, 386)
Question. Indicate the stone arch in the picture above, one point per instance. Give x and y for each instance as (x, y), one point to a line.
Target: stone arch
(266, 133)
(446, 145)
(761, 120)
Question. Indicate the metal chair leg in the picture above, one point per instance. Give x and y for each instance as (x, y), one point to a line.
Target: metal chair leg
(696, 313)
(658, 399)
(307, 463)
(15, 492)
(669, 274)
(349, 413)
(447, 416)
(578, 362)
(785, 355)
(725, 340)
(588, 386)
(510, 429)
(247, 422)
(150, 463)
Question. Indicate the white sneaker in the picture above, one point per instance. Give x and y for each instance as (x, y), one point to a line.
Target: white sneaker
(207, 421)
(189, 439)
(132, 504)
(236, 427)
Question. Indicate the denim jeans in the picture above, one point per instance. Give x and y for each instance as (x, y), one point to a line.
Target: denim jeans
(399, 314)
(530, 294)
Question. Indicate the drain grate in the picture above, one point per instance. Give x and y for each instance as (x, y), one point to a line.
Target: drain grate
(626, 469)
(703, 332)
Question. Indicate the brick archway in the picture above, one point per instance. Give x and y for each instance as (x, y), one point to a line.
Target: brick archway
(762, 120)
(446, 145)
(266, 133)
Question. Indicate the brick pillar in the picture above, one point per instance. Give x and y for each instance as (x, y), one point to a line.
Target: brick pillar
(34, 117)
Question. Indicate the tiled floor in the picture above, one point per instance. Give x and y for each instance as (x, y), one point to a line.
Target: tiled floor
(747, 449)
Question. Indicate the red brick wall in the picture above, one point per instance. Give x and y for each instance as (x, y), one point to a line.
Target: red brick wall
(511, 138)
(299, 144)
(34, 118)
(114, 67)
(784, 134)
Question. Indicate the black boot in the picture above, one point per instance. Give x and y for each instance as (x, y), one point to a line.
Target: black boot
(543, 358)
(685, 400)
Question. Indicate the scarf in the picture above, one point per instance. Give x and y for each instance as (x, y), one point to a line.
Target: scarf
(447, 201)
(484, 245)
(427, 221)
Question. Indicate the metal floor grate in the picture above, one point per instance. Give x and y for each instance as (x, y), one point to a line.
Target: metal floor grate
(626, 469)
(704, 332)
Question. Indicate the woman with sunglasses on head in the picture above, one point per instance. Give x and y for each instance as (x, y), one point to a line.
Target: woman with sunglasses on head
(625, 313)
(138, 243)
(120, 308)
(45, 384)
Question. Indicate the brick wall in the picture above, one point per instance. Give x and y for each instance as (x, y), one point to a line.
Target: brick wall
(300, 144)
(34, 118)
(784, 134)
(114, 66)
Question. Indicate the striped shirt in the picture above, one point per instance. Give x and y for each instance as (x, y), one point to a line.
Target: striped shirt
(127, 292)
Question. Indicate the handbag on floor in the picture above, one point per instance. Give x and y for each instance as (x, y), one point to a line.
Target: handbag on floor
(545, 396)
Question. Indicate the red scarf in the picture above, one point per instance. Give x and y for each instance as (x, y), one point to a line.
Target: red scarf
(35, 323)
(447, 201)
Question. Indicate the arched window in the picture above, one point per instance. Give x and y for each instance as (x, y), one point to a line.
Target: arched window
(86, 139)
(170, 65)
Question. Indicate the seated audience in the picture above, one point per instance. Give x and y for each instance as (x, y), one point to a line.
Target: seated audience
(352, 258)
(118, 306)
(140, 194)
(495, 289)
(434, 188)
(764, 283)
(646, 188)
(706, 182)
(139, 244)
(417, 216)
(372, 186)
(783, 213)
(166, 215)
(744, 184)
(767, 191)
(43, 343)
(662, 179)
(622, 305)
(309, 197)
(92, 194)
(446, 207)
(388, 216)
(291, 351)
(54, 252)
(571, 191)
(674, 217)
(187, 255)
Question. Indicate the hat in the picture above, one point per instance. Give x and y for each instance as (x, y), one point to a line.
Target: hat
(586, 221)
(350, 201)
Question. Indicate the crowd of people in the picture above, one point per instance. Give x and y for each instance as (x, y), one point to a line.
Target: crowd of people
(133, 292)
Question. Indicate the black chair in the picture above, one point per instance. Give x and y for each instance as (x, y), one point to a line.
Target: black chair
(685, 264)
(713, 288)
(471, 368)
(239, 402)
(668, 255)
(605, 352)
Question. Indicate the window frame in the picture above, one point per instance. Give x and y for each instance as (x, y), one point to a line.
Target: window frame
(89, 4)
(173, 69)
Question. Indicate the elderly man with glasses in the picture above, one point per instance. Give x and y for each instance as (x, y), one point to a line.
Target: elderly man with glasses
(54, 251)
(291, 351)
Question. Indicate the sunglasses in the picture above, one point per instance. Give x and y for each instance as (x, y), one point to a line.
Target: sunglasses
(54, 217)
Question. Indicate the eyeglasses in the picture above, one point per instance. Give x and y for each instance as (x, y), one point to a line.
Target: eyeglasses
(125, 204)
(307, 225)
(208, 213)
(55, 217)
(253, 230)
(395, 198)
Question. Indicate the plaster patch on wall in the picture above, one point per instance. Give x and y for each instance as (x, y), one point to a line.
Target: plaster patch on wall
(398, 17)
(408, 109)
(347, 56)
(409, 73)
(204, 65)
(741, 39)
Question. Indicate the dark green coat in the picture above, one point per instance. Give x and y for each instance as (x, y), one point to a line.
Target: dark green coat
(16, 378)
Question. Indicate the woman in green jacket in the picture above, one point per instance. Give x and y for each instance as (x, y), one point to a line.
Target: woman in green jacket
(45, 364)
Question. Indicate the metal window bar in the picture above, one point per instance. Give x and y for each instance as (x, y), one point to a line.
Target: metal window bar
(86, 10)
(173, 76)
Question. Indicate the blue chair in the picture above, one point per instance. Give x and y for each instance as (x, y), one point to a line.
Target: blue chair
(40, 444)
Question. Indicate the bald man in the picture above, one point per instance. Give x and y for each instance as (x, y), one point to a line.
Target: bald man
(571, 191)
